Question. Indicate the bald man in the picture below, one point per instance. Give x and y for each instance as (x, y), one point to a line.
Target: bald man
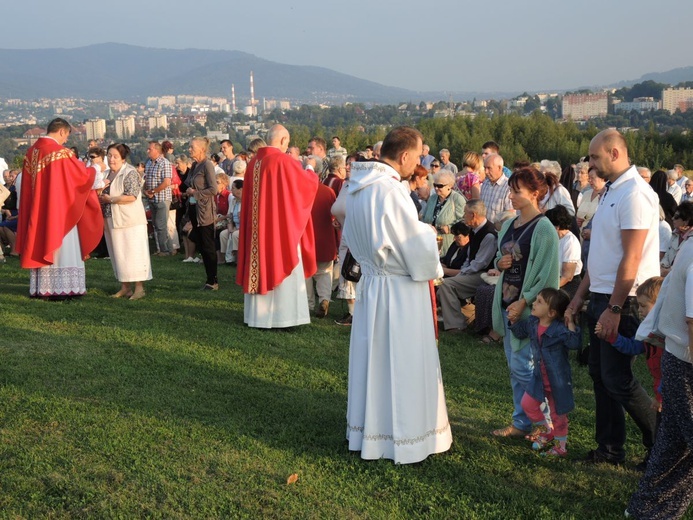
(276, 251)
(624, 252)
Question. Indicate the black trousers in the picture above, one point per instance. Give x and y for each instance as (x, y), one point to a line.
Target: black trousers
(204, 238)
(615, 386)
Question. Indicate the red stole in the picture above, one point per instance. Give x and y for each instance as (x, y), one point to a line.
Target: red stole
(56, 195)
(276, 207)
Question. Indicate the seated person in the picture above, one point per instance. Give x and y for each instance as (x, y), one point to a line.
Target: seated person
(457, 253)
(683, 222)
(569, 249)
(482, 250)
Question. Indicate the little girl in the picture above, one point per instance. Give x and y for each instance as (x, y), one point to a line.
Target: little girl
(551, 381)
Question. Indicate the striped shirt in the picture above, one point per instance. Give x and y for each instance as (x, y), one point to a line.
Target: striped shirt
(155, 171)
(496, 198)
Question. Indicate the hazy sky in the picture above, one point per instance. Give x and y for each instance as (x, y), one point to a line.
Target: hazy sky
(428, 45)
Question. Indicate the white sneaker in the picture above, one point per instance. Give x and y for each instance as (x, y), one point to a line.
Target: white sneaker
(197, 260)
(188, 260)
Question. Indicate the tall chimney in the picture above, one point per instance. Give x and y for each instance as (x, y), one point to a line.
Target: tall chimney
(252, 92)
(233, 98)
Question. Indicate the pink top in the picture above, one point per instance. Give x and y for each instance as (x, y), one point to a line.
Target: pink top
(465, 183)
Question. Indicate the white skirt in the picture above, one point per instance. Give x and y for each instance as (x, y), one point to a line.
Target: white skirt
(66, 277)
(129, 252)
(285, 306)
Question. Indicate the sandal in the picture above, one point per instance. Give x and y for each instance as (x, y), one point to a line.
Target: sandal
(488, 340)
(556, 451)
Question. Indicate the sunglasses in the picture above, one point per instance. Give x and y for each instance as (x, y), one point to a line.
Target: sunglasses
(439, 186)
(435, 165)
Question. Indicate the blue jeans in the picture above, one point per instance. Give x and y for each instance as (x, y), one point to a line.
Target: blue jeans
(521, 368)
(160, 223)
(615, 386)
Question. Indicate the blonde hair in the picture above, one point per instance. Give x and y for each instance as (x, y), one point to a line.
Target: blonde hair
(203, 141)
(473, 161)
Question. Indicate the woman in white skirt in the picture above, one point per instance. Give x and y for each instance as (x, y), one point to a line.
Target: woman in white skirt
(125, 224)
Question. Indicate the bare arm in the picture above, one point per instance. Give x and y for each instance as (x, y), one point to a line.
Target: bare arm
(633, 241)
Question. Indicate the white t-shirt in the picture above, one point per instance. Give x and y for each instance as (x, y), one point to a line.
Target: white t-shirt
(629, 203)
(570, 251)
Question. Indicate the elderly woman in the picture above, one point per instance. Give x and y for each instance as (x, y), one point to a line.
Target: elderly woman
(444, 207)
(454, 259)
(569, 248)
(125, 224)
(590, 199)
(336, 174)
(203, 188)
(557, 194)
(469, 179)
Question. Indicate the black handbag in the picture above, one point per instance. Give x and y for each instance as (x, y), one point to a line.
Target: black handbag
(351, 269)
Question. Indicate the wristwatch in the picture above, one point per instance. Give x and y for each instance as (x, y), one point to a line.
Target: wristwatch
(616, 309)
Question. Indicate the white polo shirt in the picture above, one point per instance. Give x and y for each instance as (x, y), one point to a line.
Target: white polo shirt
(629, 203)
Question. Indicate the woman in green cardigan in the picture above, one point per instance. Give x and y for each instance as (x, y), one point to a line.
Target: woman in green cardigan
(528, 259)
(444, 207)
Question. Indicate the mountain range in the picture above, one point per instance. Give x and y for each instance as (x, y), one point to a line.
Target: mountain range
(112, 71)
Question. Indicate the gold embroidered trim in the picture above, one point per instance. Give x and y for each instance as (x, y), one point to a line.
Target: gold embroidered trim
(35, 166)
(400, 442)
(254, 267)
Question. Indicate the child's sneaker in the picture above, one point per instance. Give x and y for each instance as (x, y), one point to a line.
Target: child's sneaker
(543, 439)
(555, 451)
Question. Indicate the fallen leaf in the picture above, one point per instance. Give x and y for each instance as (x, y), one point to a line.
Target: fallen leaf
(292, 478)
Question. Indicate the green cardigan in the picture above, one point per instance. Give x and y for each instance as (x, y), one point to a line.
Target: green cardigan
(543, 270)
(451, 212)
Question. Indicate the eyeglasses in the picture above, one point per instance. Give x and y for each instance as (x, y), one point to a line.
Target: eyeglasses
(440, 186)
(435, 165)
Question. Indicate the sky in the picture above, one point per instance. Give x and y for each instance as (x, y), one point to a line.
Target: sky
(437, 45)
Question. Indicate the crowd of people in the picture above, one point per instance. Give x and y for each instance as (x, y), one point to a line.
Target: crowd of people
(525, 254)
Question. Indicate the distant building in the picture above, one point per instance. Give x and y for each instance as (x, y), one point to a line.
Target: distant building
(158, 122)
(641, 104)
(33, 134)
(96, 129)
(580, 107)
(125, 127)
(677, 98)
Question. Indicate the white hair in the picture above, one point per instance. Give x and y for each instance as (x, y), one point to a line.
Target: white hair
(550, 166)
(444, 177)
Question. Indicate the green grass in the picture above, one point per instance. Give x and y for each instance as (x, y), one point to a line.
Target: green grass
(169, 407)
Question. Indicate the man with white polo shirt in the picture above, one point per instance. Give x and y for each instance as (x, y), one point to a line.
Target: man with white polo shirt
(624, 252)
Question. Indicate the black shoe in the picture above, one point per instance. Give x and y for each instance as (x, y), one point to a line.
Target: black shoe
(345, 320)
(599, 457)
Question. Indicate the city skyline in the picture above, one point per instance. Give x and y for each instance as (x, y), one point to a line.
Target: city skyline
(452, 46)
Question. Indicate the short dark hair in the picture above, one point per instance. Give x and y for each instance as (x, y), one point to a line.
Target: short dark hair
(96, 151)
(556, 299)
(58, 124)
(685, 212)
(460, 228)
(337, 138)
(238, 184)
(226, 141)
(399, 140)
(123, 149)
(319, 141)
(492, 145)
(215, 157)
(559, 217)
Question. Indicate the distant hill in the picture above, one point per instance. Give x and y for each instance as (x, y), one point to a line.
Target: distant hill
(671, 77)
(117, 71)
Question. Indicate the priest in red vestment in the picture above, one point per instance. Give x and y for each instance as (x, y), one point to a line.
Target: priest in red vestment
(276, 251)
(60, 221)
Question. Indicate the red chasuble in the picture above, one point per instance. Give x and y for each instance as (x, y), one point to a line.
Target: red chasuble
(275, 218)
(56, 195)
